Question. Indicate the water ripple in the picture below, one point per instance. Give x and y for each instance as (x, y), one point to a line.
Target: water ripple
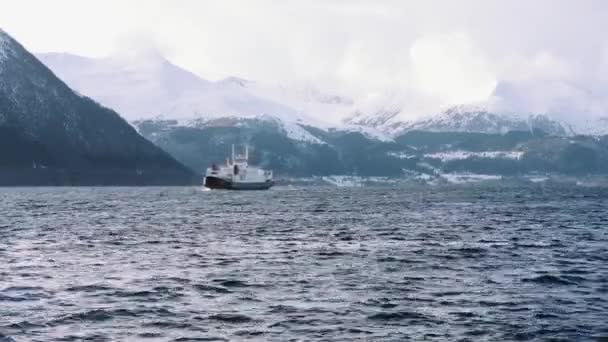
(380, 264)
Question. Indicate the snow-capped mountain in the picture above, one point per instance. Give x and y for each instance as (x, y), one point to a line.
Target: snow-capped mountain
(150, 87)
(556, 107)
(383, 119)
(462, 118)
(324, 110)
(50, 134)
(477, 119)
(144, 86)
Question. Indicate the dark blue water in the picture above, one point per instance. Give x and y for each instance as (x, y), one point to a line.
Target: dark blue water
(381, 264)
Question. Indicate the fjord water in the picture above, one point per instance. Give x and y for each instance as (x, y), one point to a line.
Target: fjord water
(373, 263)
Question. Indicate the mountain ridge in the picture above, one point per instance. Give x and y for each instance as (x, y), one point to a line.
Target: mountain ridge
(67, 138)
(480, 120)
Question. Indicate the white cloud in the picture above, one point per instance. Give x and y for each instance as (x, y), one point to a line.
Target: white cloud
(451, 68)
(423, 55)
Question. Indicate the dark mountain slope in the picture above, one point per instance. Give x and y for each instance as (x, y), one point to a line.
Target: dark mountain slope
(51, 135)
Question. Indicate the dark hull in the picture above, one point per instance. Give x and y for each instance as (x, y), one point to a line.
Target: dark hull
(219, 183)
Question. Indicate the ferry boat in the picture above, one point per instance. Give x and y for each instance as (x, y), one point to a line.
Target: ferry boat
(237, 174)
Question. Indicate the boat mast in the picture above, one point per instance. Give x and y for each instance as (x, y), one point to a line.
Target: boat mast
(233, 153)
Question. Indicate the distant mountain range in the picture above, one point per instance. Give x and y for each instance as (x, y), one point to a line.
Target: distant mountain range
(197, 120)
(50, 135)
(464, 118)
(158, 89)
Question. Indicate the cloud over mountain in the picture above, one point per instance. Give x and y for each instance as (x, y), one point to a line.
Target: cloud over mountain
(426, 56)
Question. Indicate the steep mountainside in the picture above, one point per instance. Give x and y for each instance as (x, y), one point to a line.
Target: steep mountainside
(51, 135)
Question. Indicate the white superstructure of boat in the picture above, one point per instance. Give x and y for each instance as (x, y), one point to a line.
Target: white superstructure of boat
(237, 174)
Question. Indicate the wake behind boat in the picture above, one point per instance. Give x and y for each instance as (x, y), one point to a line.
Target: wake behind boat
(237, 174)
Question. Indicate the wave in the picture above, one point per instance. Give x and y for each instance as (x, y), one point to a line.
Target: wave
(231, 318)
(89, 288)
(399, 315)
(209, 288)
(548, 279)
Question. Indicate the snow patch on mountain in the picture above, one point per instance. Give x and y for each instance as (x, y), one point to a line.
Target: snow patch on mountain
(462, 155)
(401, 155)
(292, 130)
(479, 119)
(466, 178)
(378, 118)
(368, 132)
(382, 112)
(296, 132)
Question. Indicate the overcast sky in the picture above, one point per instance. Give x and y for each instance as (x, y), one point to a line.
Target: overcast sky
(427, 51)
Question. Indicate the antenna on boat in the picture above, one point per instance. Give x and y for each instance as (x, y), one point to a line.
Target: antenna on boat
(233, 153)
(246, 152)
